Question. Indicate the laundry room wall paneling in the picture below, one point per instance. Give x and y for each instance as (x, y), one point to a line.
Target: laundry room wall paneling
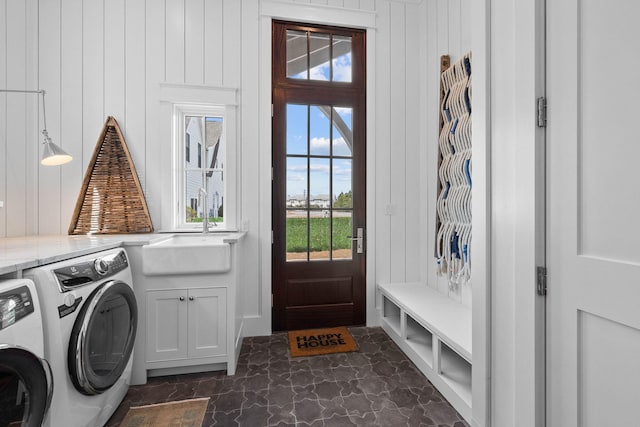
(18, 117)
(97, 58)
(111, 57)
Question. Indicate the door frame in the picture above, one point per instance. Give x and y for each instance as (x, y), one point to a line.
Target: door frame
(518, 197)
(273, 10)
(481, 214)
(286, 91)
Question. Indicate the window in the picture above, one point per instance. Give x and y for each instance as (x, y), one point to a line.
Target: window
(199, 187)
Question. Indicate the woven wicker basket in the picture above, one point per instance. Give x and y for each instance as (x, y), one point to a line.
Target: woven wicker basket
(111, 199)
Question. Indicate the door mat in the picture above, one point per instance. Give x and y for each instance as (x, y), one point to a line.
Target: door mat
(313, 342)
(183, 413)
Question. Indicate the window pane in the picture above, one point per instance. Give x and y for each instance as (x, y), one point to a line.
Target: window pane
(297, 129)
(342, 231)
(320, 56)
(342, 131)
(297, 239)
(319, 136)
(201, 168)
(193, 209)
(320, 229)
(319, 189)
(342, 185)
(341, 59)
(193, 140)
(297, 55)
(214, 143)
(215, 196)
(296, 182)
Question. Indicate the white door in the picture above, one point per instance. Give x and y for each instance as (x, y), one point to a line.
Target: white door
(593, 242)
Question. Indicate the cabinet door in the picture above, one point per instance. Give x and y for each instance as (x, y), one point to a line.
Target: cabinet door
(207, 322)
(167, 325)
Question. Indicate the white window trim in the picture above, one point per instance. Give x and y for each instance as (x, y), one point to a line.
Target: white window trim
(231, 196)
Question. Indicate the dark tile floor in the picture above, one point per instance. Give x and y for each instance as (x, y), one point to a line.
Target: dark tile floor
(376, 386)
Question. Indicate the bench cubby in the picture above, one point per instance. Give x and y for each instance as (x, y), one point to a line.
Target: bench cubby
(435, 333)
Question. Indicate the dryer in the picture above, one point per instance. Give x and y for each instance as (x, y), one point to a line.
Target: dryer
(25, 376)
(90, 317)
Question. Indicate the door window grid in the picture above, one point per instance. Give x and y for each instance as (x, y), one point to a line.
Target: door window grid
(325, 219)
(320, 56)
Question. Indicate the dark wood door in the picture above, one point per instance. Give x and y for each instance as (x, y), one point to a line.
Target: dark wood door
(319, 176)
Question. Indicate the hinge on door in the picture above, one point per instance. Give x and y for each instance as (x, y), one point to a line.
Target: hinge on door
(271, 110)
(271, 173)
(541, 280)
(271, 300)
(542, 112)
(272, 237)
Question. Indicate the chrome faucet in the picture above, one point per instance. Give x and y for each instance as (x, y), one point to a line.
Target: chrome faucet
(205, 213)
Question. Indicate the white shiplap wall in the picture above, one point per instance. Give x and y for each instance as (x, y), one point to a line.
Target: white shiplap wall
(411, 37)
(97, 58)
(18, 117)
(109, 57)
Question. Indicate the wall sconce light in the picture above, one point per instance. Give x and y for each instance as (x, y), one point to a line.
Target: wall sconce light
(52, 155)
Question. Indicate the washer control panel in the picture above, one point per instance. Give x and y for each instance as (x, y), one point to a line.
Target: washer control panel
(101, 267)
(14, 305)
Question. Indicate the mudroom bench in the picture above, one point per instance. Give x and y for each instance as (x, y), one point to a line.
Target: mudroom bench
(435, 333)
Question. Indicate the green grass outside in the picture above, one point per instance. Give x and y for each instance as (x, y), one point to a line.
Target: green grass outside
(211, 219)
(319, 238)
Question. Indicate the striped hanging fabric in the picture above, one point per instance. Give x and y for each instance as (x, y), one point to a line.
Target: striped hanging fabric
(453, 208)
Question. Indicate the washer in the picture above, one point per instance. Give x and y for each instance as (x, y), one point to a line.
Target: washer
(90, 317)
(25, 375)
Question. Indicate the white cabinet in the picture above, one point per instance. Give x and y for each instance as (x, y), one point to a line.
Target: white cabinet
(188, 323)
(435, 333)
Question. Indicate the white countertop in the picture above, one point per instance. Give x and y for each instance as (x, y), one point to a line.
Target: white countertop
(20, 253)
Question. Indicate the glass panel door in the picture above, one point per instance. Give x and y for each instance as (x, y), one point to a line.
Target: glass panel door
(319, 176)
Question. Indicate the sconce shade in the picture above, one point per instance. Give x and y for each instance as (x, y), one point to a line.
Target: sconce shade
(52, 155)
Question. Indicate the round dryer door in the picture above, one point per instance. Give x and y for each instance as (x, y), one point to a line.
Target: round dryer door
(102, 338)
(25, 387)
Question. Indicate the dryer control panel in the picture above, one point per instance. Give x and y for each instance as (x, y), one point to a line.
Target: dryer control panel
(14, 305)
(89, 271)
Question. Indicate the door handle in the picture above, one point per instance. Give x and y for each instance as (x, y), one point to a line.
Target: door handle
(359, 239)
